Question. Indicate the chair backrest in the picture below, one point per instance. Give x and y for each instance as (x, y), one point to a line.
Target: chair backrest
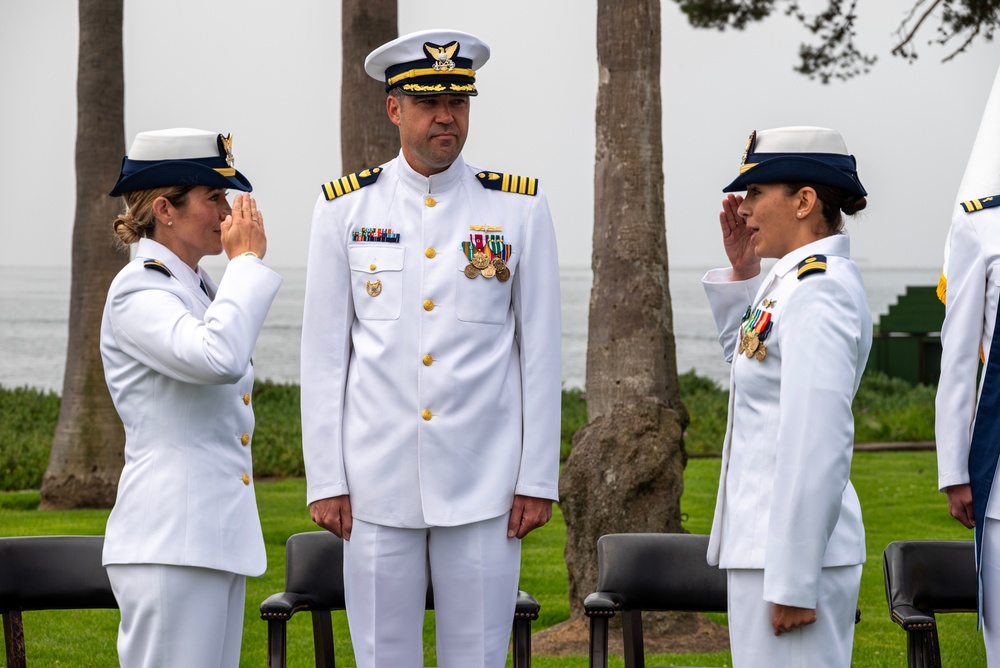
(314, 567)
(53, 573)
(654, 571)
(931, 575)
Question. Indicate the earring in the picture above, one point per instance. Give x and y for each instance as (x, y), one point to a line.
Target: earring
(798, 215)
(170, 222)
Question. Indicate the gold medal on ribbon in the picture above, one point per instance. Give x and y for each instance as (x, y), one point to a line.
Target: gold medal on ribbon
(743, 344)
(480, 260)
(471, 271)
(761, 352)
(503, 274)
(373, 289)
(489, 271)
(752, 344)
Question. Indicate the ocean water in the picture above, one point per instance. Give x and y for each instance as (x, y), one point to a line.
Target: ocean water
(34, 309)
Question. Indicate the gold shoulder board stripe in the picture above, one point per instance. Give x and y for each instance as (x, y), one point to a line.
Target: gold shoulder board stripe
(350, 183)
(508, 183)
(979, 204)
(812, 265)
(156, 265)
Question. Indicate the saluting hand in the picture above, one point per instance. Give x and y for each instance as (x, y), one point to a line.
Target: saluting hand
(736, 240)
(243, 230)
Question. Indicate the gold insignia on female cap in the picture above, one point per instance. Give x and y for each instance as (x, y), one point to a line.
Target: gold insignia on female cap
(227, 143)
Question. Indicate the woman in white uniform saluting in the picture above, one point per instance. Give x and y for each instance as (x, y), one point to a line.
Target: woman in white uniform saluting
(184, 532)
(787, 524)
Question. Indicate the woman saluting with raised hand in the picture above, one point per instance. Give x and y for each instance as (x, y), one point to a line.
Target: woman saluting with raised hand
(184, 532)
(787, 524)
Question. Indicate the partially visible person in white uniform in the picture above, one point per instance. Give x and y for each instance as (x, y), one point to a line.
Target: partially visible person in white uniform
(787, 524)
(184, 532)
(967, 417)
(431, 370)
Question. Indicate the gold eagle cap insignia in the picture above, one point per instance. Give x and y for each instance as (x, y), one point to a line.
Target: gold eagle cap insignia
(751, 140)
(227, 144)
(442, 55)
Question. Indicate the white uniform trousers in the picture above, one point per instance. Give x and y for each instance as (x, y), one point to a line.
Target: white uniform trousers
(474, 569)
(826, 643)
(178, 616)
(991, 591)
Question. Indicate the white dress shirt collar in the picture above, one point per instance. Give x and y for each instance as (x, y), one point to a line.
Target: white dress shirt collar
(436, 183)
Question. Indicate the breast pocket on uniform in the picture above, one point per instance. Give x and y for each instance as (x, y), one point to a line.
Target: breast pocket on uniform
(377, 280)
(483, 296)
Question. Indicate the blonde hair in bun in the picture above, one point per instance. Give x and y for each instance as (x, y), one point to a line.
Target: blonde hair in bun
(138, 220)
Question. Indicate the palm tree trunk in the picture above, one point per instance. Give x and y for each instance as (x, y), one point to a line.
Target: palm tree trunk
(625, 473)
(87, 449)
(367, 137)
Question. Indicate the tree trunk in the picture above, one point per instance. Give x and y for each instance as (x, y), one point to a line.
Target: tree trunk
(88, 446)
(367, 137)
(625, 473)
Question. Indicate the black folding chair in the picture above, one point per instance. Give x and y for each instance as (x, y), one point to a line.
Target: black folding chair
(48, 573)
(924, 577)
(314, 567)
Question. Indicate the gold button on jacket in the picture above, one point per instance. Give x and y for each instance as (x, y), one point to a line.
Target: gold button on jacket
(430, 201)
(430, 253)
(246, 399)
(428, 305)
(428, 360)
(246, 479)
(427, 415)
(245, 439)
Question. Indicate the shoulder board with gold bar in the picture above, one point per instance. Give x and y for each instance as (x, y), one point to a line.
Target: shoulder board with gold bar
(351, 182)
(156, 265)
(973, 205)
(508, 183)
(814, 264)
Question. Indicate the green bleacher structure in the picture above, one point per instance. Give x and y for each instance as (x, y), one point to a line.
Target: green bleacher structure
(907, 340)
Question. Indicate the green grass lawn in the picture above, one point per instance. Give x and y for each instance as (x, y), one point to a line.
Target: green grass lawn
(898, 497)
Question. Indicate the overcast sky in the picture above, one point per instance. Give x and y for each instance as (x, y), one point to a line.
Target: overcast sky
(269, 72)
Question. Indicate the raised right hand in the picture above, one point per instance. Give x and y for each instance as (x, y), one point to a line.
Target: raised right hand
(736, 240)
(334, 515)
(243, 230)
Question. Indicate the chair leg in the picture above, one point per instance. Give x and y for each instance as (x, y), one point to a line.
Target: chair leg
(922, 649)
(323, 639)
(632, 639)
(599, 642)
(522, 643)
(277, 643)
(13, 638)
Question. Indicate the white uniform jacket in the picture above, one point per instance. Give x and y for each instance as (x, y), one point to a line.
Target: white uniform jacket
(973, 276)
(430, 397)
(785, 502)
(179, 370)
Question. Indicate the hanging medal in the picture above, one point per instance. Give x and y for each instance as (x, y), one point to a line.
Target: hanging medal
(488, 255)
(755, 327)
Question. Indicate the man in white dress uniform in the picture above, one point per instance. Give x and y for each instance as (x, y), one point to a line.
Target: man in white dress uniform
(431, 370)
